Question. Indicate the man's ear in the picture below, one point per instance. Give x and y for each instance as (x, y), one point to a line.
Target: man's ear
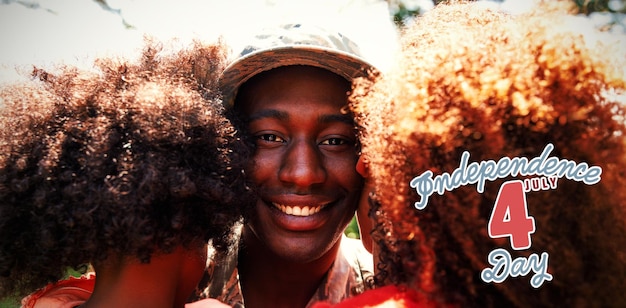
(364, 221)
(361, 167)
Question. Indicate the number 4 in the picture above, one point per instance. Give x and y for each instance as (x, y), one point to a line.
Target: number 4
(510, 216)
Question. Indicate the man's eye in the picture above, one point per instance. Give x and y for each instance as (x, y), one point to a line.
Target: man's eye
(270, 138)
(335, 141)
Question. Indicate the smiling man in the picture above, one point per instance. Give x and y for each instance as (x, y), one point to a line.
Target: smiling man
(290, 88)
(304, 164)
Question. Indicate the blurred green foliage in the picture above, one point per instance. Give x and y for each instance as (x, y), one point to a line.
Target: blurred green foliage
(9, 303)
(352, 231)
(590, 6)
(404, 10)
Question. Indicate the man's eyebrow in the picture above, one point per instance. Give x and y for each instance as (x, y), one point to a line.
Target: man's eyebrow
(281, 115)
(269, 113)
(330, 118)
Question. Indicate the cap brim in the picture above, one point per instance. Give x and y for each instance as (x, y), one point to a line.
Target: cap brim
(341, 63)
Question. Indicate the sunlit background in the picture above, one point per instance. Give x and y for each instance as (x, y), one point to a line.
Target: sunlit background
(74, 31)
(43, 32)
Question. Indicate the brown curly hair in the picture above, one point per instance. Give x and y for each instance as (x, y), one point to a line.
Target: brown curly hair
(132, 159)
(470, 78)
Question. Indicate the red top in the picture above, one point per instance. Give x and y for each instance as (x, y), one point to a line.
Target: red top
(73, 292)
(67, 293)
(388, 296)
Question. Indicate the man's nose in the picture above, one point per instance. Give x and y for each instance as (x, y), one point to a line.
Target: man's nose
(303, 165)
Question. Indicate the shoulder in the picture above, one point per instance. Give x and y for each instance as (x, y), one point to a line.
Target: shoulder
(360, 261)
(221, 278)
(71, 292)
(356, 254)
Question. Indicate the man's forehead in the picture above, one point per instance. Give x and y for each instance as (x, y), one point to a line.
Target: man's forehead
(322, 118)
(279, 81)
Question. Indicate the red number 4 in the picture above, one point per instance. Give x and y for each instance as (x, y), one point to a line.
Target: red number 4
(510, 216)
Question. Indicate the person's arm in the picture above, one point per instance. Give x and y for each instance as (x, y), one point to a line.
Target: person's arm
(207, 303)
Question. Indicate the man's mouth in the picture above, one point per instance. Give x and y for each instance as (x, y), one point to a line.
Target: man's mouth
(299, 210)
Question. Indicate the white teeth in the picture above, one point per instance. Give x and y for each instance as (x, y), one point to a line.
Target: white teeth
(297, 210)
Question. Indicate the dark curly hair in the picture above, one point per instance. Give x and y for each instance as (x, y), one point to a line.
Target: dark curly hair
(132, 159)
(473, 79)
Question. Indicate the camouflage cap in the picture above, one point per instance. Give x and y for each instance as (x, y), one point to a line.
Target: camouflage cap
(294, 44)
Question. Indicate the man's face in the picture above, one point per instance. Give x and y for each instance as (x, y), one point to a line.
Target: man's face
(304, 163)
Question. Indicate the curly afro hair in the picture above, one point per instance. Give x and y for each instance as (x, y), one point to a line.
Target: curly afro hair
(470, 78)
(131, 159)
